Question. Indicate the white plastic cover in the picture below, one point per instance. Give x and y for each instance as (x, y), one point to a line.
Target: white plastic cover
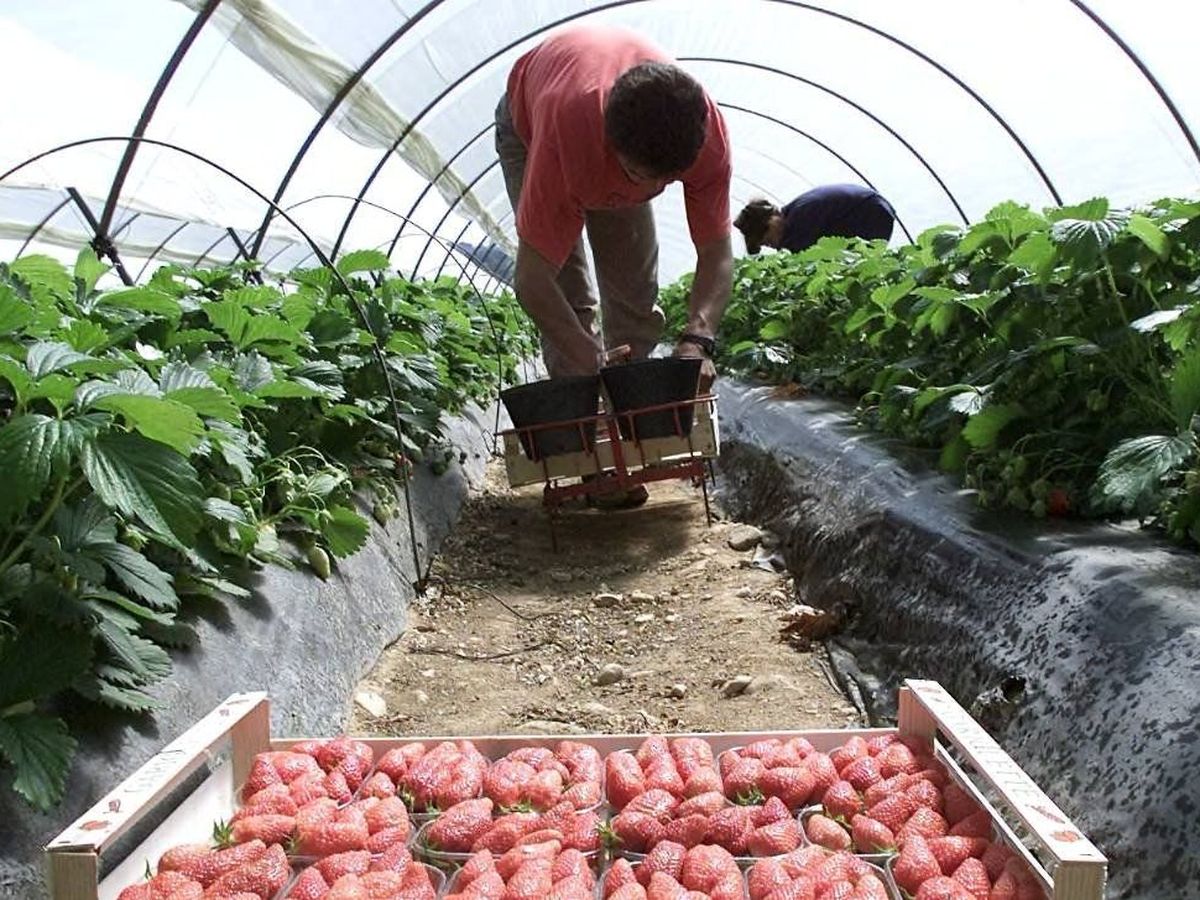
(946, 107)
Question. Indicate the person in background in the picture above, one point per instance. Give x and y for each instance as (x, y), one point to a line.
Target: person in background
(843, 210)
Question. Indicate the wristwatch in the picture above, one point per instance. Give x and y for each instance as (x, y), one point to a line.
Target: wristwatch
(707, 344)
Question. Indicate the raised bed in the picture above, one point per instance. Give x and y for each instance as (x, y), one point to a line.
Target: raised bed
(1075, 644)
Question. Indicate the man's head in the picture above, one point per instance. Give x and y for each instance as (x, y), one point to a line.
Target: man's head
(655, 118)
(760, 222)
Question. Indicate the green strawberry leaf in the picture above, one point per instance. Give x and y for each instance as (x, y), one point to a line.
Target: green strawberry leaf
(15, 312)
(363, 261)
(983, 428)
(45, 275)
(145, 300)
(39, 749)
(1131, 473)
(167, 421)
(33, 450)
(89, 269)
(1150, 234)
(137, 574)
(145, 660)
(211, 402)
(51, 658)
(345, 531)
(148, 481)
(1184, 389)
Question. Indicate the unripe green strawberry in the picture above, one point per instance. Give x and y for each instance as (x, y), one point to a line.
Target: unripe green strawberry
(319, 560)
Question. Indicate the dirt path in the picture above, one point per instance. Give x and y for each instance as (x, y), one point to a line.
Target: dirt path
(513, 639)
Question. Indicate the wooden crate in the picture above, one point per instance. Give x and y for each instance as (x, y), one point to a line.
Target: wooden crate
(703, 442)
(225, 741)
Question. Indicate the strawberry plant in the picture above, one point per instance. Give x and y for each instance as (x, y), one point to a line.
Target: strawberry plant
(158, 439)
(1049, 360)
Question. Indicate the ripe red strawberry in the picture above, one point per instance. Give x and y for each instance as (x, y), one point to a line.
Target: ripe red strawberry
(978, 824)
(775, 839)
(702, 781)
(862, 772)
(655, 747)
(876, 745)
(349, 887)
(396, 858)
(184, 855)
(378, 785)
(275, 799)
(619, 874)
(208, 867)
(584, 794)
(636, 831)
(544, 789)
(262, 775)
(705, 804)
(355, 862)
(270, 829)
(706, 866)
(337, 787)
(161, 886)
(1058, 502)
(311, 885)
(871, 836)
(655, 802)
(768, 876)
(511, 861)
(958, 803)
(842, 801)
(824, 772)
(354, 769)
(728, 888)
(972, 874)
(1006, 887)
(792, 785)
(189, 891)
(265, 876)
(825, 832)
(386, 814)
(663, 775)
(688, 831)
(307, 789)
(773, 810)
(666, 856)
(897, 759)
(870, 887)
(883, 789)
(943, 888)
(854, 748)
(623, 778)
(531, 881)
(925, 793)
(332, 754)
(692, 755)
(504, 833)
(924, 822)
(950, 851)
(582, 832)
(457, 829)
(291, 765)
(759, 749)
(334, 837)
(385, 838)
(540, 836)
(935, 775)
(742, 779)
(479, 864)
(915, 865)
(994, 858)
(730, 828)
(661, 887)
(892, 811)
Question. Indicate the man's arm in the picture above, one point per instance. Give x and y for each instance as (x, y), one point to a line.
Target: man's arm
(710, 293)
(536, 284)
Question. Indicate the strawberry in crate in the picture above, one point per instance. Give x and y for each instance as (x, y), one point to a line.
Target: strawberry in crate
(682, 768)
(765, 829)
(886, 789)
(468, 827)
(791, 770)
(816, 872)
(394, 875)
(673, 871)
(202, 872)
(953, 867)
(530, 871)
(429, 779)
(538, 778)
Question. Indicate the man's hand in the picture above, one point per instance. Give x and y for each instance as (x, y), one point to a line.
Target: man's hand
(708, 371)
(536, 284)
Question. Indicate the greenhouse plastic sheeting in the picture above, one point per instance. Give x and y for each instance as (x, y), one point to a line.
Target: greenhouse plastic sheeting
(346, 112)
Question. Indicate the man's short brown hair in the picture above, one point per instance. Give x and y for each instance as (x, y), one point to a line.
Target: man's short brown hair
(656, 115)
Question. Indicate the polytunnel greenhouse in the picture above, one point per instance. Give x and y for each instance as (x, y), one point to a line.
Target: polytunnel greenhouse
(355, 545)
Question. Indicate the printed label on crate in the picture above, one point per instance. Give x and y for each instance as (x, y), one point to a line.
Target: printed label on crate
(99, 824)
(1050, 823)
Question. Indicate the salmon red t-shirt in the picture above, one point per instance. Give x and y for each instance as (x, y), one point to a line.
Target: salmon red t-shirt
(556, 95)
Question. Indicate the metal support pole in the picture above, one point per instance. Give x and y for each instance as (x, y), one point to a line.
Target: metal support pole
(102, 245)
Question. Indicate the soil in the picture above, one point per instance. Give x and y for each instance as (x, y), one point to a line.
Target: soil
(512, 638)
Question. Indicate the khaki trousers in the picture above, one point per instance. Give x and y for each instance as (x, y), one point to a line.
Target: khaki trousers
(625, 249)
